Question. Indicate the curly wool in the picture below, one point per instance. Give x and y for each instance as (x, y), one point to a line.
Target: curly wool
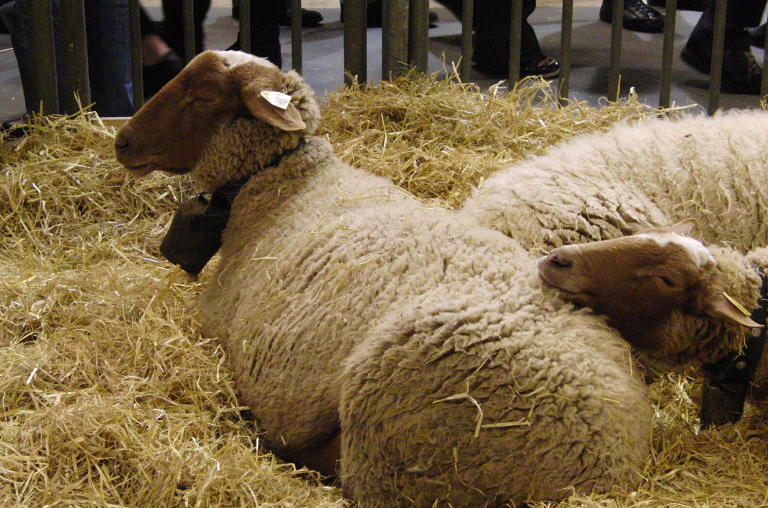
(655, 172)
(319, 258)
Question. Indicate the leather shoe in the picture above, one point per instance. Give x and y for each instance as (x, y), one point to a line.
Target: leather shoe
(309, 19)
(637, 16)
(682, 5)
(741, 72)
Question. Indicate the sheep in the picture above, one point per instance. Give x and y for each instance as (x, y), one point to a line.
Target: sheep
(410, 344)
(653, 173)
(705, 170)
(319, 259)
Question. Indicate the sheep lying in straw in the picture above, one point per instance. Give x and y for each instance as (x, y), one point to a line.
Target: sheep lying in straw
(656, 172)
(599, 186)
(518, 394)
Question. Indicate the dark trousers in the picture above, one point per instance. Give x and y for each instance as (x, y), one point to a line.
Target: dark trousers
(740, 14)
(492, 27)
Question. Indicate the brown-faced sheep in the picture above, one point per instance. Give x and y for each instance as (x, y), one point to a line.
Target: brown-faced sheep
(708, 171)
(411, 343)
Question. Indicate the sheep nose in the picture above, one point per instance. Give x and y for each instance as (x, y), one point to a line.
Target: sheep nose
(559, 260)
(121, 141)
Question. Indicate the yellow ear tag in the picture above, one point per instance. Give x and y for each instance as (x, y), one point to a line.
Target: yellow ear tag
(737, 304)
(277, 99)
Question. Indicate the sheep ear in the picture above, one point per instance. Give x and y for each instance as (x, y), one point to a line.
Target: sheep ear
(287, 119)
(720, 305)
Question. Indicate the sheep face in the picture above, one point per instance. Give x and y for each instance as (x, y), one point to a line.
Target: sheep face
(643, 284)
(170, 132)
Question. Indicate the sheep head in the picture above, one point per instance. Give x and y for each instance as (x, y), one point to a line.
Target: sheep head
(667, 294)
(171, 130)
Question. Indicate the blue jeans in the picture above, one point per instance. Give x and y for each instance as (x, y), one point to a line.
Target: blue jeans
(109, 53)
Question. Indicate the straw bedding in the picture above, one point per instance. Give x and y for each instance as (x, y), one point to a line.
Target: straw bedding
(110, 397)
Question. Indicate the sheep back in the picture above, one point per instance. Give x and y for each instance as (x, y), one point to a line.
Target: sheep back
(651, 173)
(481, 393)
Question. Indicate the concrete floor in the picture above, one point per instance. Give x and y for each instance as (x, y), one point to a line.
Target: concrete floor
(323, 54)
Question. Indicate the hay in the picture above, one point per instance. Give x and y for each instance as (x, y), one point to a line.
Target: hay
(439, 138)
(111, 398)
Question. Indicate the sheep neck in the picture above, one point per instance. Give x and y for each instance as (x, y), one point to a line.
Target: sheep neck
(240, 149)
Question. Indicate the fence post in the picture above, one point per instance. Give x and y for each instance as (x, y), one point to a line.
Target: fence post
(668, 52)
(566, 36)
(467, 17)
(189, 30)
(137, 74)
(296, 54)
(394, 34)
(42, 44)
(515, 42)
(418, 35)
(75, 56)
(718, 45)
(614, 69)
(355, 41)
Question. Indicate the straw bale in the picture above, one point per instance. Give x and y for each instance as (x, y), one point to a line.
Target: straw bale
(110, 397)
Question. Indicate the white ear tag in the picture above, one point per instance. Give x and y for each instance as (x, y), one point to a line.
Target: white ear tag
(277, 99)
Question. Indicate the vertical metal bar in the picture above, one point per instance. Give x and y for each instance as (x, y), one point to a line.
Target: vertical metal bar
(75, 56)
(245, 25)
(394, 35)
(614, 70)
(189, 30)
(355, 41)
(296, 56)
(566, 36)
(718, 45)
(137, 74)
(467, 17)
(418, 35)
(668, 53)
(42, 45)
(515, 41)
(764, 82)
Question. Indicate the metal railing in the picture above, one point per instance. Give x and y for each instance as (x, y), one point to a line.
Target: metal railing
(404, 41)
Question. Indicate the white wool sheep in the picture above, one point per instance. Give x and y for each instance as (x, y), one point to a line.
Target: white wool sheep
(655, 172)
(518, 395)
(706, 170)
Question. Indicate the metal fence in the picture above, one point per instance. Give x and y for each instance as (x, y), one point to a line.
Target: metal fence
(404, 41)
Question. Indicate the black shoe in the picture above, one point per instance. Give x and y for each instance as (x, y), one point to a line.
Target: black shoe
(682, 5)
(157, 75)
(545, 66)
(741, 72)
(637, 16)
(757, 36)
(309, 19)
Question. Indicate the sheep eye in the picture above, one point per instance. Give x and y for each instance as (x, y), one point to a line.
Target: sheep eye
(669, 282)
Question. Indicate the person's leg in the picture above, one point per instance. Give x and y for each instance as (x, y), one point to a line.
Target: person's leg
(265, 30)
(16, 19)
(741, 72)
(109, 56)
(173, 24)
(491, 47)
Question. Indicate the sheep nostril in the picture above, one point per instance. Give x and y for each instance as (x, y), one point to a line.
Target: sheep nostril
(560, 261)
(121, 143)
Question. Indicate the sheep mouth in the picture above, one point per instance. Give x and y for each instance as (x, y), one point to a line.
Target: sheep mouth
(569, 292)
(140, 169)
